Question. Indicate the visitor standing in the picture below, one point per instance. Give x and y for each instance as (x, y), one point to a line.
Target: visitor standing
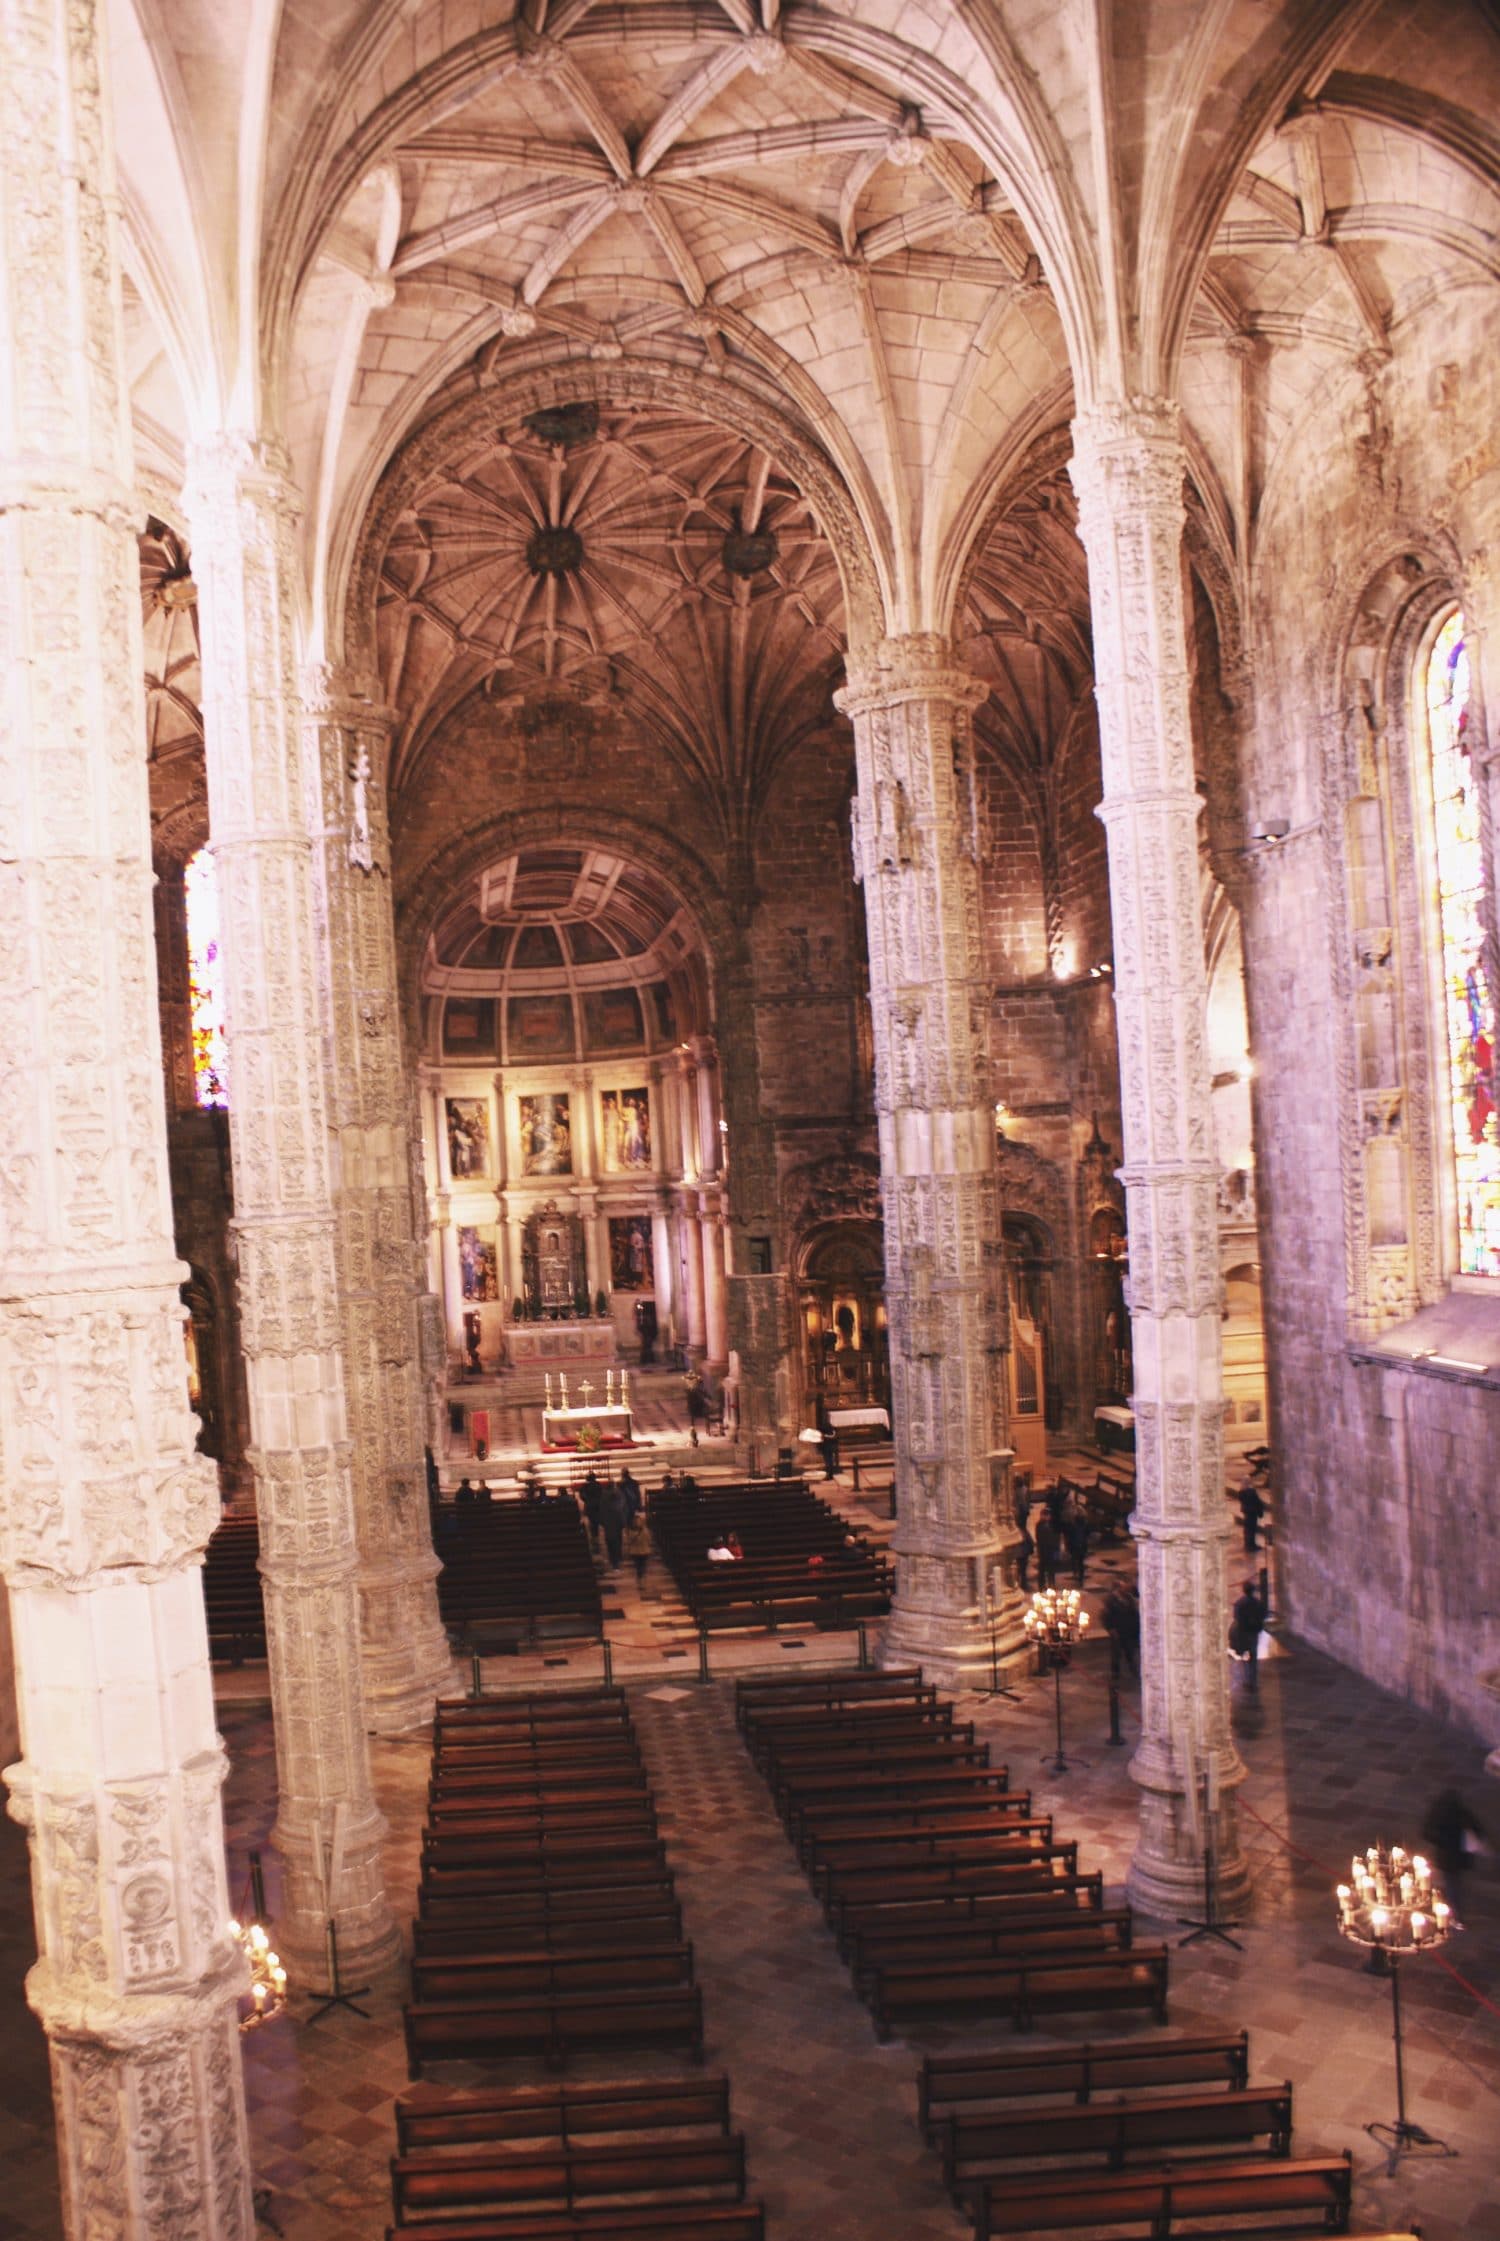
(612, 1518)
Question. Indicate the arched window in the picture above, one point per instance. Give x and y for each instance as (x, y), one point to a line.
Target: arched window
(1467, 1037)
(206, 980)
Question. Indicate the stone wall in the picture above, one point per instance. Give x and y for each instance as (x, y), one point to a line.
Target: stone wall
(1384, 1471)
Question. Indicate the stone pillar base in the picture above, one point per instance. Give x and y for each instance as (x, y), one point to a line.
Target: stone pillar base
(313, 1860)
(953, 1648)
(1165, 1878)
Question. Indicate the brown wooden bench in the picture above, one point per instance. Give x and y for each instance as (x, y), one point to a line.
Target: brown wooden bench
(571, 1865)
(891, 1843)
(953, 1938)
(466, 2116)
(543, 1800)
(554, 2025)
(977, 2148)
(503, 1974)
(828, 1690)
(1311, 2190)
(542, 1710)
(648, 1891)
(1040, 1869)
(1059, 1984)
(683, 2221)
(607, 1925)
(948, 2084)
(551, 2178)
(1052, 1902)
(503, 1836)
(811, 1733)
(468, 1765)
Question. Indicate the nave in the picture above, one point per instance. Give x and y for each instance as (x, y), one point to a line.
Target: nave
(829, 2114)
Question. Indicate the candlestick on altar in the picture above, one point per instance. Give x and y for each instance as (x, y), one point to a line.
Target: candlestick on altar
(624, 1388)
(562, 1379)
(547, 1382)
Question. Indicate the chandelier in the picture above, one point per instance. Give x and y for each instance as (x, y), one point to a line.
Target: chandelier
(267, 1991)
(1389, 1903)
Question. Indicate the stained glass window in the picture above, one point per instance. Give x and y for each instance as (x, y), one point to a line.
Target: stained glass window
(206, 981)
(1468, 1002)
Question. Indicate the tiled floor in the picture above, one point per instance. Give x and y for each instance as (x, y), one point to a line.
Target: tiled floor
(828, 2113)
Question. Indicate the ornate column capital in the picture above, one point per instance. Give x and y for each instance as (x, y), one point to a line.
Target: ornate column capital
(236, 463)
(920, 666)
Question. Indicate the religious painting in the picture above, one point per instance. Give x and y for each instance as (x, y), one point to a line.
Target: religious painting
(631, 1268)
(478, 1266)
(612, 1019)
(540, 1027)
(468, 1137)
(626, 1130)
(469, 1027)
(546, 1137)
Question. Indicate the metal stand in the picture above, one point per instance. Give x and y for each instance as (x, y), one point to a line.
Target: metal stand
(1402, 2137)
(703, 1672)
(1210, 1925)
(1114, 1735)
(997, 1687)
(1058, 1660)
(336, 1996)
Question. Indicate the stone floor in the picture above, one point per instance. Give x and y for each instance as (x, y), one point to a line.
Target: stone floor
(828, 2113)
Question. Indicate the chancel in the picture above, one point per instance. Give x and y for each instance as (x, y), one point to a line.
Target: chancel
(763, 738)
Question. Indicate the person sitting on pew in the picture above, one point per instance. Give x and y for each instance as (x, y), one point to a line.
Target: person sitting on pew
(484, 1492)
(467, 1491)
(720, 1552)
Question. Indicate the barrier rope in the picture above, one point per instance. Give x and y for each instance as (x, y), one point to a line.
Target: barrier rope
(1322, 1868)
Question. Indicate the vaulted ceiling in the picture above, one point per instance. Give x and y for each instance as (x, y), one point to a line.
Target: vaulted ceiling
(917, 240)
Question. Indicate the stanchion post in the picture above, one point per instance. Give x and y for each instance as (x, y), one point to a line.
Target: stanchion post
(609, 1661)
(703, 1673)
(1114, 1692)
(257, 1888)
(864, 1652)
(476, 1687)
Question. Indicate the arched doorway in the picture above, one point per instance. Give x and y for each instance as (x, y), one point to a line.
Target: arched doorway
(845, 1343)
(1114, 1376)
(1031, 1395)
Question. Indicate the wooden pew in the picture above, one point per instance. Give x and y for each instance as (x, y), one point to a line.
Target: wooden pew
(951, 2084)
(543, 1800)
(466, 2116)
(550, 2178)
(574, 1865)
(1044, 1870)
(1057, 1901)
(682, 2221)
(977, 2148)
(953, 1939)
(1058, 1984)
(504, 1973)
(553, 2025)
(647, 1891)
(831, 1859)
(607, 1924)
(1155, 2202)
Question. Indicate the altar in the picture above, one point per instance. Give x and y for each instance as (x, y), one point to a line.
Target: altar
(581, 1341)
(561, 1427)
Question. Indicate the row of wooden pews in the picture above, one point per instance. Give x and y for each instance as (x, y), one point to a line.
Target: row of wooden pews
(1051, 2140)
(549, 1926)
(516, 1573)
(946, 1891)
(802, 1566)
(232, 1601)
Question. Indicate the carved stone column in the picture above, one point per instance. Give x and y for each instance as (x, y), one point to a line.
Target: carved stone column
(104, 1506)
(715, 1298)
(691, 1246)
(914, 851)
(263, 805)
(1128, 472)
(407, 1662)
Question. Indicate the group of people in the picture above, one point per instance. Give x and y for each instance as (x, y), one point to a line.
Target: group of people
(1060, 1533)
(615, 1511)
